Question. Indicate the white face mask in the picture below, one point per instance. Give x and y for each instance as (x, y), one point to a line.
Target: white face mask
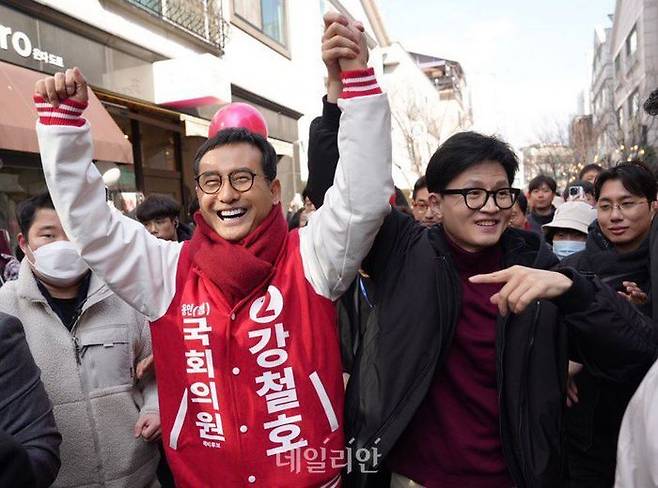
(58, 263)
(562, 249)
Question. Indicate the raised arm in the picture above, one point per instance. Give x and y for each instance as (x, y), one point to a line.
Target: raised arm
(136, 265)
(341, 232)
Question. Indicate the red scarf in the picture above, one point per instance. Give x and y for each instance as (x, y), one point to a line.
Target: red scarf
(237, 268)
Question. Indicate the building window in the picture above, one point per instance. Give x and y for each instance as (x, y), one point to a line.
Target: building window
(631, 43)
(157, 144)
(634, 105)
(265, 19)
(618, 64)
(200, 18)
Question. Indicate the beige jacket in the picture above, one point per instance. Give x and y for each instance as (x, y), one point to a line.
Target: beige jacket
(89, 376)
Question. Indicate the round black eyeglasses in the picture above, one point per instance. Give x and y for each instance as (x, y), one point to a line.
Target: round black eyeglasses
(477, 198)
(211, 182)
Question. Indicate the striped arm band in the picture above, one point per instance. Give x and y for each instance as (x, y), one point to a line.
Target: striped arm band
(69, 112)
(359, 83)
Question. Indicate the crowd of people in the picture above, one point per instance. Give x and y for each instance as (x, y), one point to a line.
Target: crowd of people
(481, 336)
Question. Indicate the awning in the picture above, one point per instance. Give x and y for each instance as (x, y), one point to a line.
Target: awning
(18, 117)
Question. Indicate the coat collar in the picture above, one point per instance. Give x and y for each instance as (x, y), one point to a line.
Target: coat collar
(26, 287)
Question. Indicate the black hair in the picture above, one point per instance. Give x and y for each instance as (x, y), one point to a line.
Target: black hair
(419, 185)
(587, 188)
(156, 206)
(651, 104)
(236, 135)
(306, 193)
(27, 210)
(589, 167)
(463, 151)
(636, 177)
(539, 180)
(400, 199)
(294, 219)
(523, 203)
(192, 208)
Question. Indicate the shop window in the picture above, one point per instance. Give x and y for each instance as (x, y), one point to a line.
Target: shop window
(265, 20)
(17, 183)
(158, 147)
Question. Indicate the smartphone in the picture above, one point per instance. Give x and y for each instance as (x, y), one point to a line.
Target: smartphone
(576, 193)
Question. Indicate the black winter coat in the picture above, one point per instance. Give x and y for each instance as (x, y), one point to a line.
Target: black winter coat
(593, 423)
(29, 440)
(412, 325)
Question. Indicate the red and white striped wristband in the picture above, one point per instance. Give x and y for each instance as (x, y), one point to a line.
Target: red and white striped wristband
(69, 112)
(359, 83)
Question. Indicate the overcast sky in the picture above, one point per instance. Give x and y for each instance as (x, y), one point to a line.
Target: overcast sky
(525, 61)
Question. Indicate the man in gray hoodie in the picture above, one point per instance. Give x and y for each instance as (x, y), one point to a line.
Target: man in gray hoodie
(87, 342)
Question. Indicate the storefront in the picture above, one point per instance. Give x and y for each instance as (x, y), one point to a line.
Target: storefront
(140, 147)
(149, 114)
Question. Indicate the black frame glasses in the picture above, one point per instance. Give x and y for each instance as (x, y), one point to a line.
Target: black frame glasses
(241, 180)
(476, 194)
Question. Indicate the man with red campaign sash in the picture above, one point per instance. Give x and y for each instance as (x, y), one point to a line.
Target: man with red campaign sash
(243, 318)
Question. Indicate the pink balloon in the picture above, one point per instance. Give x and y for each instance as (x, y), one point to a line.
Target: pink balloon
(238, 115)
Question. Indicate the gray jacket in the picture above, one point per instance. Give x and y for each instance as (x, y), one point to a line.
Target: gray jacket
(89, 375)
(26, 414)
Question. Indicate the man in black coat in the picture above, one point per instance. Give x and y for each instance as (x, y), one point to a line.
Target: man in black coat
(460, 381)
(29, 440)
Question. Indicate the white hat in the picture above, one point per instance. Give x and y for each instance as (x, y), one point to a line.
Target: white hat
(572, 215)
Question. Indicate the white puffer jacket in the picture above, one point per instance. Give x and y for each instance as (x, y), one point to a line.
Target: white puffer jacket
(95, 399)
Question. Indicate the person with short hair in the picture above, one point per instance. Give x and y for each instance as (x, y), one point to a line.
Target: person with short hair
(87, 342)
(443, 338)
(541, 191)
(590, 172)
(617, 251)
(637, 448)
(420, 205)
(579, 190)
(567, 232)
(518, 218)
(243, 315)
(160, 214)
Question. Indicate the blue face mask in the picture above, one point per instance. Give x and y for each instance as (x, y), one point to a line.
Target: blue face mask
(562, 249)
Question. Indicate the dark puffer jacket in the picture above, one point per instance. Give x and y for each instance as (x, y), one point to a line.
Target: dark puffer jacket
(593, 423)
(411, 328)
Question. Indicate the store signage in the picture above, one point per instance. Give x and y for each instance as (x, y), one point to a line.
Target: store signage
(22, 45)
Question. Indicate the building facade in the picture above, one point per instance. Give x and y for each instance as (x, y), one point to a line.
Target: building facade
(159, 70)
(604, 122)
(634, 54)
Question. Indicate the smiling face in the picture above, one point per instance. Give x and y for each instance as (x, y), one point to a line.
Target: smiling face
(518, 219)
(474, 230)
(626, 228)
(421, 209)
(230, 213)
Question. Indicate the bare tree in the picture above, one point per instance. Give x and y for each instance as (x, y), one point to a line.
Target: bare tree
(418, 126)
(551, 155)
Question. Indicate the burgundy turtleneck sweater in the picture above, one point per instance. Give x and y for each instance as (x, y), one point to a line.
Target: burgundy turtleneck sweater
(453, 440)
